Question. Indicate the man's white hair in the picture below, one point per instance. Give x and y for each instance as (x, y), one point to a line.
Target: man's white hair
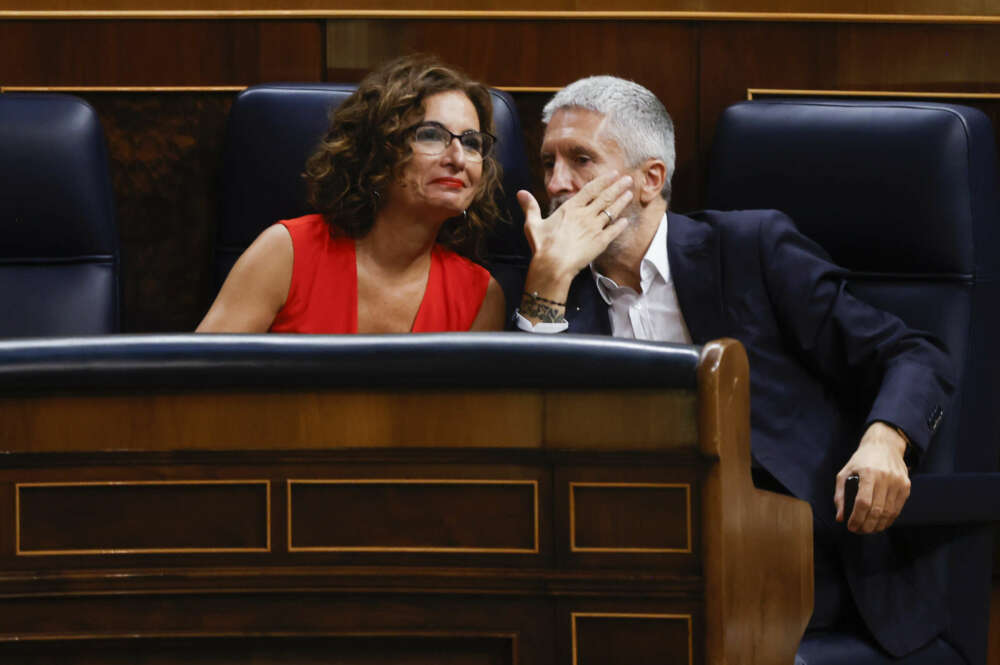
(637, 121)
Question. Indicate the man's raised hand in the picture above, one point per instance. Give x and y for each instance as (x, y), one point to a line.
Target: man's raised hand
(578, 231)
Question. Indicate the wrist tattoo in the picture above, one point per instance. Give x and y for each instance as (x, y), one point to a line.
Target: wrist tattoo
(538, 308)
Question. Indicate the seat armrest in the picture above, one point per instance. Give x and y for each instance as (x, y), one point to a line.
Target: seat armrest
(952, 498)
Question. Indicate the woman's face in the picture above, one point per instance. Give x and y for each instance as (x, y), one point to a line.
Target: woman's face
(441, 185)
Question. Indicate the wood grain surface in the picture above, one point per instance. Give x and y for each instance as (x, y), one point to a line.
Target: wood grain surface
(743, 526)
(705, 9)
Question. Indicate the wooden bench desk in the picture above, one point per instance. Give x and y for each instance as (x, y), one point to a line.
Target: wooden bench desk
(580, 526)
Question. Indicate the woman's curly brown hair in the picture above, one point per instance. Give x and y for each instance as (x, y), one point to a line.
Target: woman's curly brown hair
(367, 146)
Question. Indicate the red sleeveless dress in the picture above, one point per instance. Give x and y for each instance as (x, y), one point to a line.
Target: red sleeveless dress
(323, 295)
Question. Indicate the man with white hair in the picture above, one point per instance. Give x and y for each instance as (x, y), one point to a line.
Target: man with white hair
(838, 387)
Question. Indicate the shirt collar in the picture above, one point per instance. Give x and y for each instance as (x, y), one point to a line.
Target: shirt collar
(653, 263)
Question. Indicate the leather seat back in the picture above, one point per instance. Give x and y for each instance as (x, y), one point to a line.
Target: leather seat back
(58, 237)
(904, 195)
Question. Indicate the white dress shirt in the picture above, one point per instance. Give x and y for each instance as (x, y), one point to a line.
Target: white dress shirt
(653, 314)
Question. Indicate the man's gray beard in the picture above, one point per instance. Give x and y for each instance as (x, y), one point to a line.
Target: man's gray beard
(558, 201)
(631, 213)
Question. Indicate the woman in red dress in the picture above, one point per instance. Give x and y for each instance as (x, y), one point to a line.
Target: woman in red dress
(404, 184)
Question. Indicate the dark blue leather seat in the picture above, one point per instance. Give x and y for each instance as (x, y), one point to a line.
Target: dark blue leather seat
(272, 131)
(58, 238)
(904, 194)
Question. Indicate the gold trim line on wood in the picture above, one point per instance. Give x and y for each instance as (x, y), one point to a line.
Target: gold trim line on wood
(413, 481)
(629, 550)
(529, 88)
(180, 14)
(122, 88)
(628, 615)
(216, 634)
(118, 551)
(872, 93)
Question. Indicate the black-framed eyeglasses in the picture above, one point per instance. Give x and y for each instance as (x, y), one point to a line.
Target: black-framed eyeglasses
(431, 138)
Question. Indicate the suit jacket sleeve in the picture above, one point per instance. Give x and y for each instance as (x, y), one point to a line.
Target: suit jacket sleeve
(843, 338)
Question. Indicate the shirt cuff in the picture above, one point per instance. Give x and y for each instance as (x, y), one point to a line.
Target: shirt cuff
(540, 327)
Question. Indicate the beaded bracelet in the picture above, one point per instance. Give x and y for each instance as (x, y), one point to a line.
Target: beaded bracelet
(534, 295)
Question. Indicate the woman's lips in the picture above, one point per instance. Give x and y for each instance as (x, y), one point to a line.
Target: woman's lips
(453, 183)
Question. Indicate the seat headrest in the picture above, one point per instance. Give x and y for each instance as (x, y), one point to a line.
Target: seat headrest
(884, 186)
(272, 130)
(55, 190)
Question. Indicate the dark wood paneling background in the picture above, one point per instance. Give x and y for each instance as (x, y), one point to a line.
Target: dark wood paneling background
(864, 7)
(158, 53)
(166, 146)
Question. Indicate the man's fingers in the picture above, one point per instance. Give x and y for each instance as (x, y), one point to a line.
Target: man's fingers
(877, 510)
(610, 194)
(589, 192)
(838, 496)
(616, 207)
(862, 505)
(529, 205)
(891, 511)
(899, 497)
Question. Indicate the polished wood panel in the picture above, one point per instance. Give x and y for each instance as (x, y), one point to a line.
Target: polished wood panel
(148, 53)
(241, 421)
(276, 650)
(154, 517)
(701, 9)
(607, 638)
(630, 517)
(604, 522)
(589, 420)
(390, 622)
(413, 515)
(550, 54)
(735, 614)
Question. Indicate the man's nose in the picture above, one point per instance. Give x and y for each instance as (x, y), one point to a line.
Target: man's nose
(560, 179)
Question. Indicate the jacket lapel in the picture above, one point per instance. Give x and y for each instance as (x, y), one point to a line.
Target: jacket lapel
(693, 252)
(586, 311)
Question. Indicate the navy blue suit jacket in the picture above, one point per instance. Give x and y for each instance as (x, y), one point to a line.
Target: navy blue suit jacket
(823, 365)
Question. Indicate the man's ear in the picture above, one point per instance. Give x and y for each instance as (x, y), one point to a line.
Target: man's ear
(654, 174)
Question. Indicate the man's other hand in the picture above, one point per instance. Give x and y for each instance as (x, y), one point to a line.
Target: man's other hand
(885, 482)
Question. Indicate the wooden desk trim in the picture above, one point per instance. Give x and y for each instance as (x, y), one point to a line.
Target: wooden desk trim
(542, 15)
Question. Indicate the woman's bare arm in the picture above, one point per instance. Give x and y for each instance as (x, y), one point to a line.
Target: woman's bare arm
(491, 312)
(256, 287)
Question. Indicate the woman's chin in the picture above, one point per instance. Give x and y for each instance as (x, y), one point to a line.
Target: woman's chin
(442, 209)
(451, 210)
